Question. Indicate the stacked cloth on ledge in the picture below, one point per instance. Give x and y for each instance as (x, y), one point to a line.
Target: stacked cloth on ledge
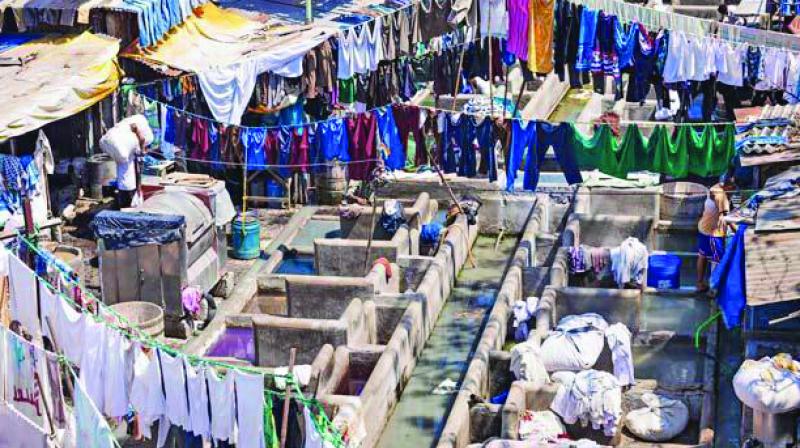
(627, 262)
(591, 397)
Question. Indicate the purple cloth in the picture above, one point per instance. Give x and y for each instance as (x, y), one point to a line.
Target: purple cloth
(190, 298)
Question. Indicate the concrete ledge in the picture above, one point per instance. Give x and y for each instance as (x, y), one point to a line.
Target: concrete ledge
(398, 359)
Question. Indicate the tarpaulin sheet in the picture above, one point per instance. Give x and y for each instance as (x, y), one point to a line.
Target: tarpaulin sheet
(9, 41)
(57, 77)
(123, 230)
(216, 37)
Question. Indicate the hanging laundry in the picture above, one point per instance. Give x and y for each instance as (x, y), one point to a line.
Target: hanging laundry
(147, 396)
(249, 409)
(221, 396)
(625, 42)
(199, 418)
(332, 137)
(522, 136)
(174, 384)
(253, 140)
(361, 131)
(200, 139)
(557, 136)
(407, 118)
(540, 36)
(562, 28)
(589, 396)
(118, 364)
(629, 262)
(23, 364)
(69, 328)
(518, 27)
(457, 144)
(23, 300)
(301, 143)
(486, 138)
(390, 148)
(493, 18)
(706, 153)
(93, 361)
(91, 428)
(586, 39)
(618, 338)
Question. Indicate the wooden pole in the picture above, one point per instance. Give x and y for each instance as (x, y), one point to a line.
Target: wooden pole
(57, 349)
(287, 399)
(491, 73)
(371, 230)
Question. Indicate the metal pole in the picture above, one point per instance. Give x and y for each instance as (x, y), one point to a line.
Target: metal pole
(309, 14)
(287, 399)
(491, 73)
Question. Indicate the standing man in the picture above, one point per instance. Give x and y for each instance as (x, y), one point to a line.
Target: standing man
(712, 228)
(128, 176)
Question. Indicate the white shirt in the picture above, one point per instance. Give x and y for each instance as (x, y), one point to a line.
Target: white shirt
(249, 409)
(678, 55)
(126, 174)
(69, 328)
(199, 420)
(118, 364)
(345, 66)
(359, 58)
(729, 61)
(177, 410)
(374, 44)
(792, 77)
(496, 11)
(774, 63)
(93, 361)
(220, 393)
(147, 397)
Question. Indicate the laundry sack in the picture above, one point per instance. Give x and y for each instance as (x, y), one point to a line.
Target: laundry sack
(660, 420)
(119, 143)
(142, 125)
(540, 427)
(575, 344)
(770, 385)
(526, 364)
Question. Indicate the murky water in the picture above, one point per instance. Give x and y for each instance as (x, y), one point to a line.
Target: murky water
(315, 228)
(297, 265)
(570, 106)
(420, 415)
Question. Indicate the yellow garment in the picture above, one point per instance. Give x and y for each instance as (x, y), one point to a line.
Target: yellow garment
(59, 77)
(540, 36)
(217, 37)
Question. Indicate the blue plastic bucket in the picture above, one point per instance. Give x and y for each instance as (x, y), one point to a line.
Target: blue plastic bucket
(664, 271)
(246, 231)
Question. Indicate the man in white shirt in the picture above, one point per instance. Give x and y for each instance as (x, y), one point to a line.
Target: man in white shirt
(128, 174)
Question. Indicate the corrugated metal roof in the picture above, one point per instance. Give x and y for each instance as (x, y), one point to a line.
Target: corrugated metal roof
(772, 263)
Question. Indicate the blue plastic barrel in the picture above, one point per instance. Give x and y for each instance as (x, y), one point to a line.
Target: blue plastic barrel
(664, 271)
(274, 189)
(246, 231)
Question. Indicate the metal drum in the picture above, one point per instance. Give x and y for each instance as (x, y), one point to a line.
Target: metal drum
(331, 185)
(102, 173)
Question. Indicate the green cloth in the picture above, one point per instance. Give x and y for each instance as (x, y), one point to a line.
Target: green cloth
(270, 432)
(689, 152)
(347, 90)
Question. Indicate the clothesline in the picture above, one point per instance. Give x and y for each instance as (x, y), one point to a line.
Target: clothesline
(327, 431)
(251, 166)
(695, 26)
(644, 123)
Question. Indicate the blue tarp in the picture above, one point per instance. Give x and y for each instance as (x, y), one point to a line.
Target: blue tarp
(728, 279)
(123, 230)
(10, 41)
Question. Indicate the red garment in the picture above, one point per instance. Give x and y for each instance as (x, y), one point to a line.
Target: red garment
(272, 146)
(300, 146)
(200, 141)
(361, 129)
(407, 119)
(387, 267)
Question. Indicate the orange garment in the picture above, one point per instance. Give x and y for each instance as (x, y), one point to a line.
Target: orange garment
(540, 36)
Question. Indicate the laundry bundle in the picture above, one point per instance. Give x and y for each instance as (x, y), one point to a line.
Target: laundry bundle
(660, 419)
(629, 262)
(590, 397)
(578, 340)
(526, 363)
(770, 385)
